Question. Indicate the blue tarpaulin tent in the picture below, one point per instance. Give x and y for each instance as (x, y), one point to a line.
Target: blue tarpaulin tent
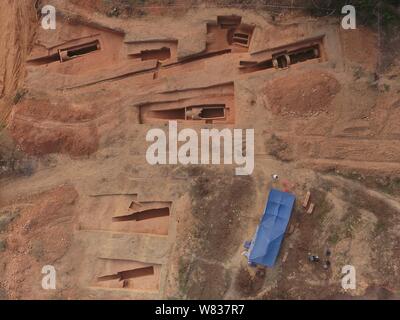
(266, 243)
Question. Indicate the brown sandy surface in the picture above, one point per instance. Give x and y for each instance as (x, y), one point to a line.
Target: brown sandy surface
(74, 175)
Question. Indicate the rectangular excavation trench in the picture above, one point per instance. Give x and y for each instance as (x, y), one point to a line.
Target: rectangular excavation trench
(210, 105)
(196, 58)
(229, 33)
(224, 36)
(241, 36)
(79, 50)
(126, 275)
(165, 52)
(66, 54)
(143, 215)
(161, 54)
(285, 57)
(241, 39)
(120, 213)
(207, 113)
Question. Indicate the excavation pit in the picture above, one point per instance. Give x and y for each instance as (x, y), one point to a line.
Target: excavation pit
(126, 275)
(215, 106)
(67, 54)
(229, 33)
(285, 56)
(77, 51)
(124, 214)
(143, 215)
(193, 113)
(155, 54)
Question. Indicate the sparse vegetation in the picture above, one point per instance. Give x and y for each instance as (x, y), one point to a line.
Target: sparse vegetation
(379, 228)
(183, 275)
(7, 217)
(19, 96)
(248, 284)
(389, 184)
(12, 160)
(203, 280)
(3, 245)
(386, 87)
(379, 207)
(347, 226)
(323, 205)
(127, 8)
(218, 206)
(350, 221)
(37, 250)
(3, 294)
(368, 11)
(278, 148)
(334, 237)
(358, 73)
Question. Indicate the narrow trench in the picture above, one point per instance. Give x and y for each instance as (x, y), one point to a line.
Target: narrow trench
(128, 274)
(241, 39)
(143, 215)
(77, 51)
(217, 112)
(207, 112)
(154, 70)
(171, 114)
(67, 53)
(45, 60)
(283, 60)
(305, 54)
(198, 57)
(161, 54)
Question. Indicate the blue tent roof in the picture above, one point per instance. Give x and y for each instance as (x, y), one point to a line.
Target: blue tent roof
(266, 243)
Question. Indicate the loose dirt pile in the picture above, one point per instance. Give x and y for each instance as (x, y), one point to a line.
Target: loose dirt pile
(302, 94)
(41, 140)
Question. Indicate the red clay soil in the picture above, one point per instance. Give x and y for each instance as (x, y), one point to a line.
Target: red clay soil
(40, 128)
(39, 140)
(18, 22)
(61, 112)
(302, 94)
(39, 235)
(361, 47)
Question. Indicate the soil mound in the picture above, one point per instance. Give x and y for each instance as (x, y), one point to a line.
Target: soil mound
(302, 94)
